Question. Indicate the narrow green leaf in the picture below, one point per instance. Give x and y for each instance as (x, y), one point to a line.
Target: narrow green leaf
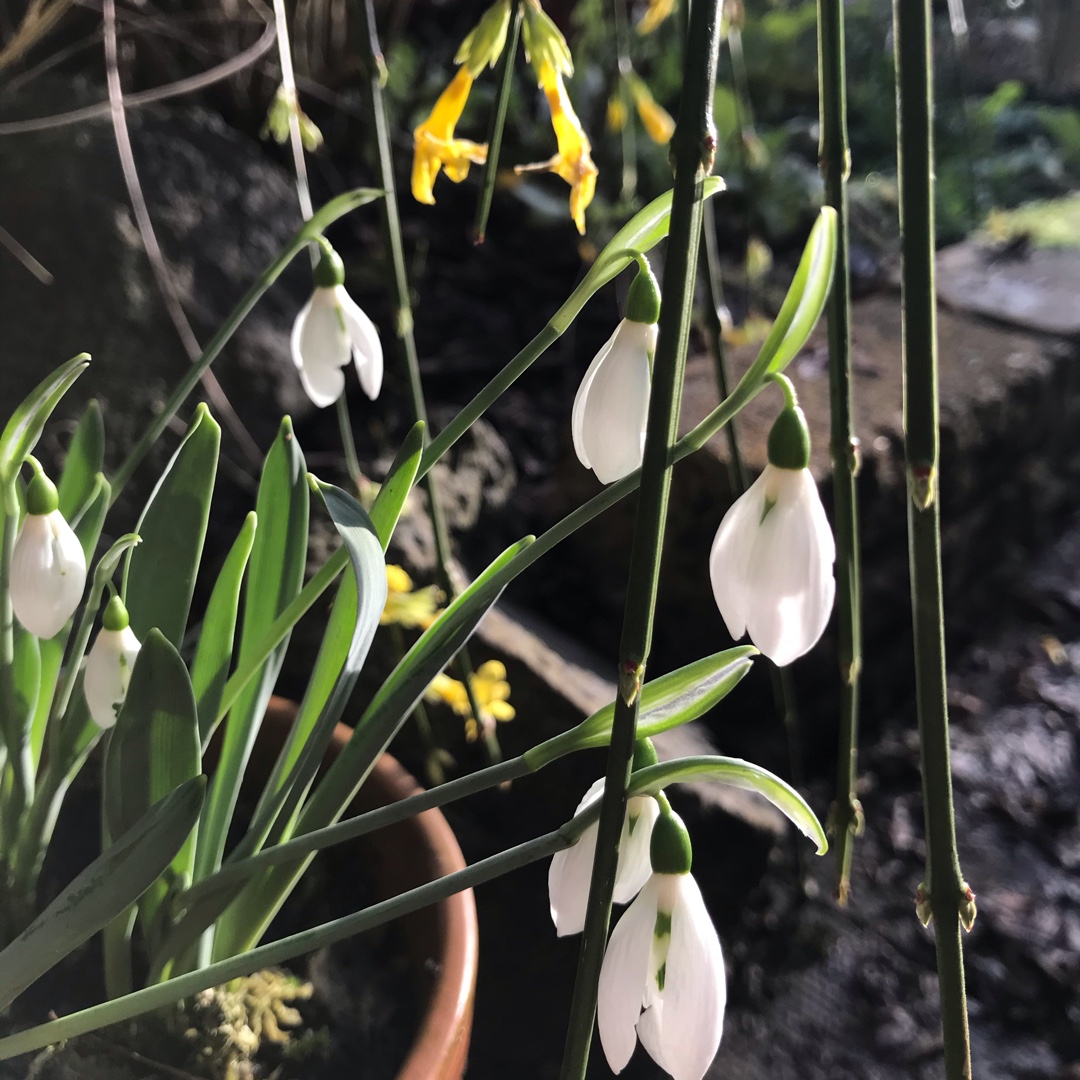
(275, 574)
(154, 746)
(51, 654)
(666, 702)
(159, 577)
(643, 231)
(380, 722)
(23, 430)
(398, 483)
(735, 773)
(108, 885)
(26, 676)
(353, 622)
(213, 654)
(806, 297)
(89, 521)
(85, 460)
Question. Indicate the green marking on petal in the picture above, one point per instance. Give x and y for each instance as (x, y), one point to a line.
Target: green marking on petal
(769, 504)
(662, 929)
(661, 976)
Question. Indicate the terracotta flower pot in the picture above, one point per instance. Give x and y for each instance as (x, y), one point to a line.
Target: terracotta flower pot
(441, 939)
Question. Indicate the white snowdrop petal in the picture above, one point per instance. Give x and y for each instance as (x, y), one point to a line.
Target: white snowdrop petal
(580, 399)
(367, 351)
(695, 988)
(634, 863)
(48, 574)
(790, 574)
(650, 1030)
(321, 347)
(568, 883)
(612, 405)
(730, 556)
(108, 673)
(623, 976)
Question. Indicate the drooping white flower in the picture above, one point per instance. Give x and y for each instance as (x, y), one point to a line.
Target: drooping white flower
(663, 981)
(330, 329)
(108, 667)
(772, 560)
(612, 403)
(48, 567)
(611, 408)
(571, 869)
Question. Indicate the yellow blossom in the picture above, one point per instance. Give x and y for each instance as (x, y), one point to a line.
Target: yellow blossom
(657, 12)
(408, 608)
(435, 147)
(657, 120)
(490, 689)
(574, 161)
(616, 113)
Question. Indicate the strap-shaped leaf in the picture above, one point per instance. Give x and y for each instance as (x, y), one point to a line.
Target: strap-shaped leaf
(89, 521)
(26, 676)
(398, 483)
(159, 576)
(105, 888)
(23, 430)
(643, 231)
(275, 574)
(353, 622)
(213, 654)
(735, 773)
(805, 300)
(154, 747)
(85, 459)
(666, 702)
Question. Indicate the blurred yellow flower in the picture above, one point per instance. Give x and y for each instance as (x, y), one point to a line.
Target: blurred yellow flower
(408, 608)
(657, 12)
(574, 161)
(616, 113)
(436, 148)
(656, 119)
(489, 687)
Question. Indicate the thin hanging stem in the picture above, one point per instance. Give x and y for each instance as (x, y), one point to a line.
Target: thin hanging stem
(692, 148)
(944, 894)
(505, 79)
(629, 132)
(844, 446)
(348, 444)
(371, 55)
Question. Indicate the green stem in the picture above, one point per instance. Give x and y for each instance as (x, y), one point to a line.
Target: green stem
(944, 887)
(311, 229)
(844, 446)
(348, 444)
(288, 948)
(505, 79)
(399, 297)
(692, 148)
(629, 132)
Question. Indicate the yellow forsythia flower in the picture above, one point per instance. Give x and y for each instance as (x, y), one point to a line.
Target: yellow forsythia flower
(656, 119)
(574, 161)
(435, 147)
(408, 608)
(489, 687)
(616, 113)
(657, 12)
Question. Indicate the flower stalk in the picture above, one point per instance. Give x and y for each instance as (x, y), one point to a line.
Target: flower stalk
(403, 321)
(944, 895)
(693, 146)
(835, 158)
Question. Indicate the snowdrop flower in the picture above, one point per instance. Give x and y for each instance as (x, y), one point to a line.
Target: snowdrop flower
(48, 567)
(772, 559)
(108, 667)
(571, 870)
(662, 980)
(612, 404)
(329, 329)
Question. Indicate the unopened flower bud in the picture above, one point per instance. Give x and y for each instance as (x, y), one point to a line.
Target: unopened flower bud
(108, 667)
